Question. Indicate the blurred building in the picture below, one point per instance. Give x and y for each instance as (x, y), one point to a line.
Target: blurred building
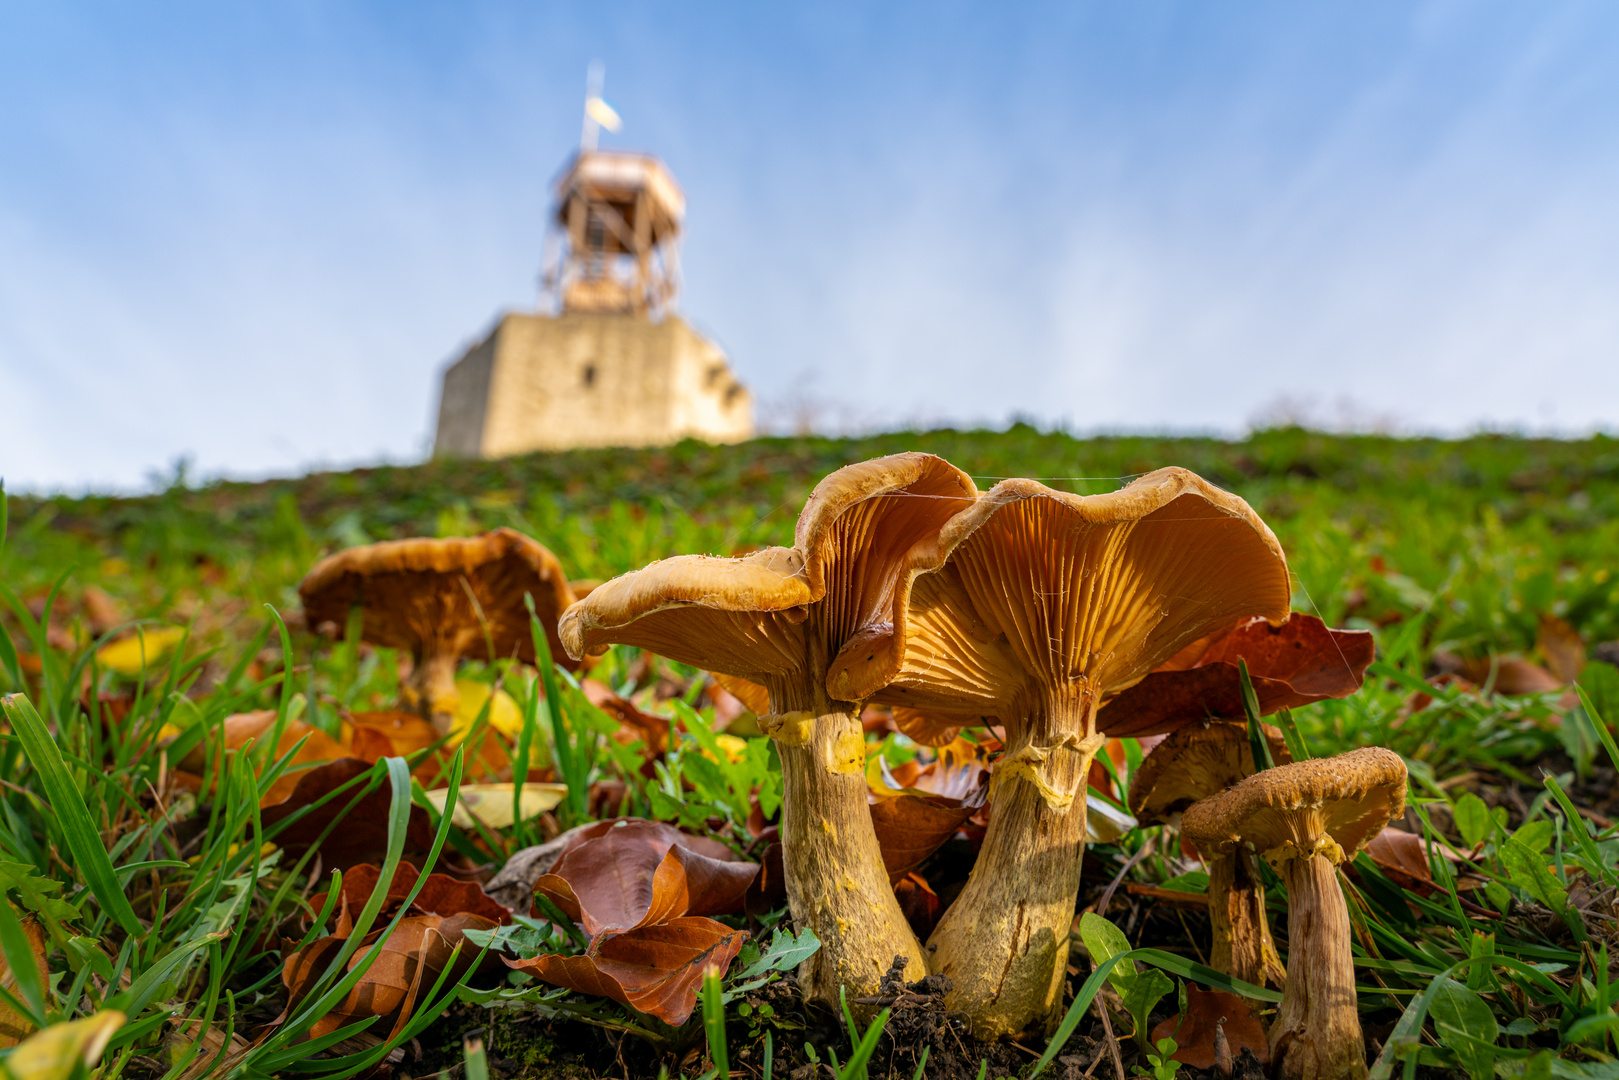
(609, 363)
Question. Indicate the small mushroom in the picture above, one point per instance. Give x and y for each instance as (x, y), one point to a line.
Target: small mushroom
(776, 618)
(1045, 604)
(1195, 763)
(442, 600)
(1304, 819)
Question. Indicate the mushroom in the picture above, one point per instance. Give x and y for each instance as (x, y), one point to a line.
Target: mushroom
(1048, 603)
(1195, 763)
(776, 617)
(442, 600)
(1304, 819)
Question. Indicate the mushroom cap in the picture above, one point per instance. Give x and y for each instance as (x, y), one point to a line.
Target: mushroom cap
(1296, 663)
(419, 594)
(1328, 806)
(865, 531)
(1194, 763)
(1042, 590)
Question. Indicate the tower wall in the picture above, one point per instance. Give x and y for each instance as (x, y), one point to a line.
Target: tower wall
(464, 402)
(589, 379)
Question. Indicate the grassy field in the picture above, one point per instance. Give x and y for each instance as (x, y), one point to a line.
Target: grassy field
(178, 908)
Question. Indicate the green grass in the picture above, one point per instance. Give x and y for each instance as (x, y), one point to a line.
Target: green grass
(169, 909)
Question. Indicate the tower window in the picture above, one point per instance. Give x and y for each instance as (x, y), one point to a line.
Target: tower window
(590, 376)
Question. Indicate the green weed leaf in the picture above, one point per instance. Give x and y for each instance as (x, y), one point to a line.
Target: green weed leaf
(1139, 990)
(1465, 1024)
(1473, 818)
(784, 953)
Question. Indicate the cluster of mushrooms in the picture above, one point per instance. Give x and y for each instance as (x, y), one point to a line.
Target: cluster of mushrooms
(1022, 607)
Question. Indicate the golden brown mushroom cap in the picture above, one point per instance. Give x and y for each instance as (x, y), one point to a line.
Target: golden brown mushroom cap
(426, 595)
(752, 616)
(1329, 806)
(1194, 763)
(1043, 588)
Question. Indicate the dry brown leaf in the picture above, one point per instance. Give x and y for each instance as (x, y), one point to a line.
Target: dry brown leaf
(910, 827)
(1207, 1010)
(652, 832)
(1294, 664)
(394, 733)
(242, 730)
(919, 903)
(413, 955)
(361, 836)
(441, 895)
(1402, 857)
(655, 969)
(1562, 647)
(1514, 676)
(769, 889)
(634, 725)
(636, 875)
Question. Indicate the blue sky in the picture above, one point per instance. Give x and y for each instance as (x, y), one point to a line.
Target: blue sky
(254, 234)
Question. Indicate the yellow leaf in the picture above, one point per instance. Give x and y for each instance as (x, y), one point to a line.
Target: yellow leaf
(493, 802)
(504, 715)
(144, 648)
(53, 1053)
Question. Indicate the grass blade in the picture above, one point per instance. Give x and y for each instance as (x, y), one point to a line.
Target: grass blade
(477, 1062)
(80, 833)
(1256, 734)
(19, 953)
(714, 1025)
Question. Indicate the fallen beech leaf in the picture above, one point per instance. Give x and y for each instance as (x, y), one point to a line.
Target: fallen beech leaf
(361, 836)
(1402, 856)
(471, 696)
(1294, 664)
(441, 894)
(769, 889)
(413, 955)
(655, 969)
(1563, 648)
(492, 803)
(634, 876)
(241, 731)
(920, 904)
(395, 733)
(634, 725)
(145, 649)
(911, 827)
(1194, 1032)
(653, 833)
(1514, 675)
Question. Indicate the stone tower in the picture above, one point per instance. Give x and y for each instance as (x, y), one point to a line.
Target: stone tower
(610, 363)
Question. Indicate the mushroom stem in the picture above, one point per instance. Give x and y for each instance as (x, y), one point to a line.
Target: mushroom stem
(434, 684)
(1243, 947)
(1317, 1033)
(1004, 942)
(836, 883)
